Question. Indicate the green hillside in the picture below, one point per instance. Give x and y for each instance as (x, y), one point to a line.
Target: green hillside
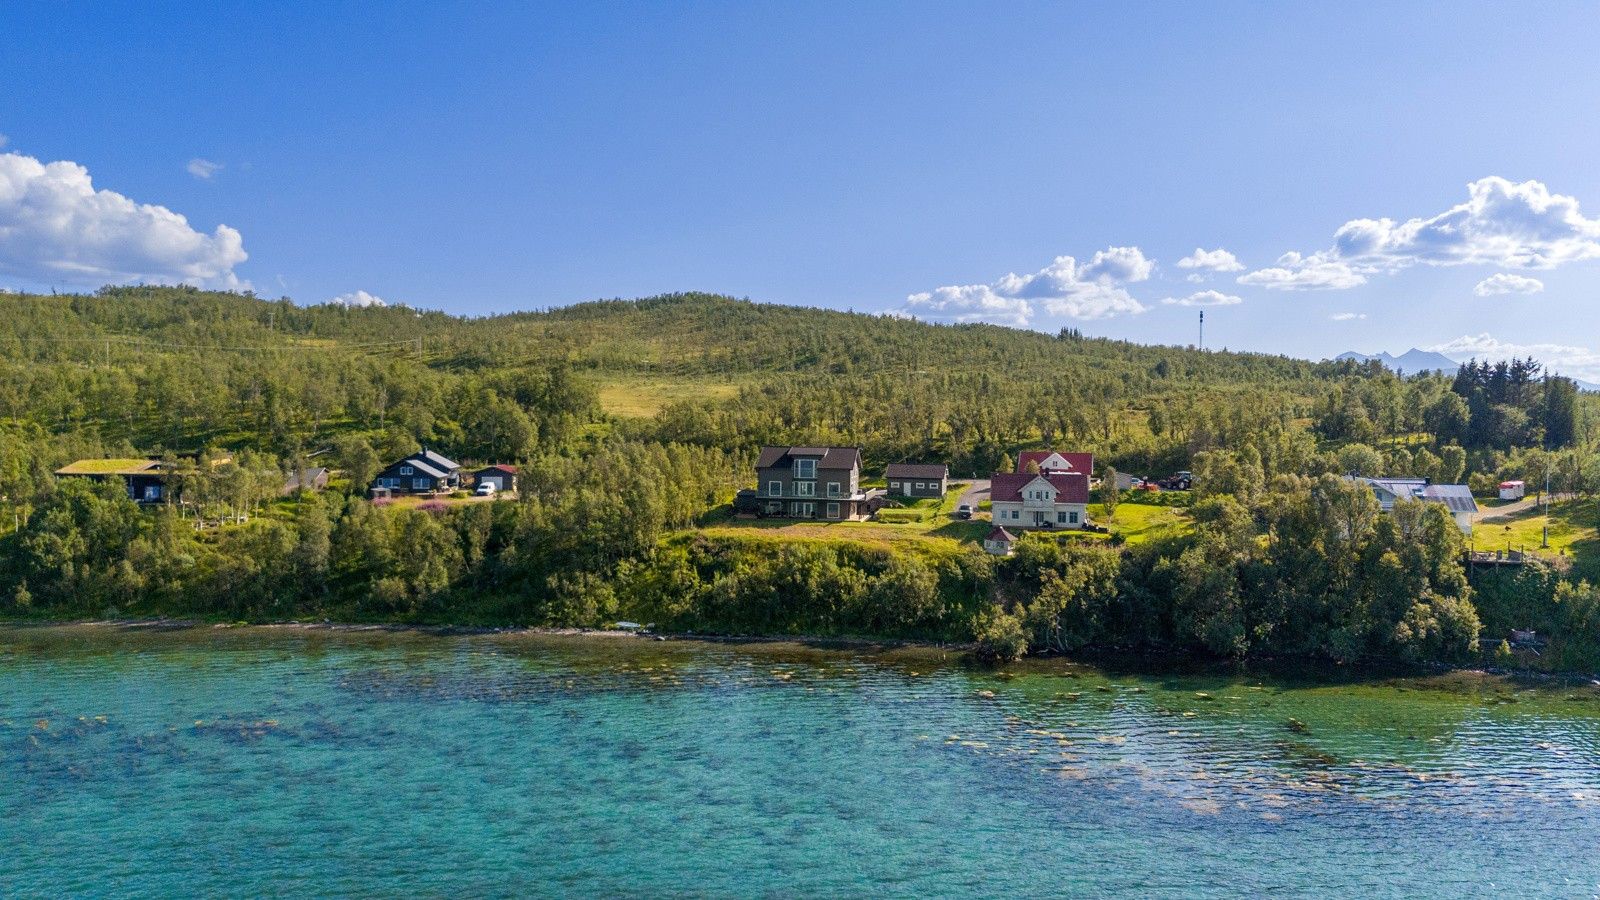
(634, 422)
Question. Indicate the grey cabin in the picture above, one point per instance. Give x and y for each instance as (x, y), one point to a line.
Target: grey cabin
(917, 479)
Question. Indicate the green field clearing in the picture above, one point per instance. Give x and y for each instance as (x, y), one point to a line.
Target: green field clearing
(644, 397)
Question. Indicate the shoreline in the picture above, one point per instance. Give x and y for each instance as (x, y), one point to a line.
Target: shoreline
(1115, 657)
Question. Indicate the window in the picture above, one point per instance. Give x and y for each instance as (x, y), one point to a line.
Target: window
(406, 470)
(1061, 518)
(921, 486)
(805, 468)
(833, 489)
(420, 484)
(805, 489)
(774, 489)
(1073, 518)
(808, 510)
(152, 492)
(1016, 514)
(894, 485)
(833, 510)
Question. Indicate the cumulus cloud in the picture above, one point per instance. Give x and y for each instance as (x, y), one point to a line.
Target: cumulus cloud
(55, 228)
(202, 168)
(1094, 290)
(357, 300)
(1218, 260)
(1204, 298)
(1502, 223)
(1294, 272)
(1506, 283)
(1347, 317)
(1564, 359)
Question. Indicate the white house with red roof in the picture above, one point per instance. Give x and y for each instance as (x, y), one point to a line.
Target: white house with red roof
(1058, 500)
(999, 541)
(1047, 461)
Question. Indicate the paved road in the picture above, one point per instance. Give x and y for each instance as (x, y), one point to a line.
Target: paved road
(976, 492)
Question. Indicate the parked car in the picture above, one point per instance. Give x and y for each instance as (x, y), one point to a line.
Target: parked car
(964, 511)
(486, 489)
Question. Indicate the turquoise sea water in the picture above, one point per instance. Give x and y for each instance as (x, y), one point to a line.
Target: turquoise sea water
(206, 762)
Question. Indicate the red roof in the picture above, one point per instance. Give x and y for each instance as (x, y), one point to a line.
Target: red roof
(1071, 487)
(1000, 534)
(1076, 462)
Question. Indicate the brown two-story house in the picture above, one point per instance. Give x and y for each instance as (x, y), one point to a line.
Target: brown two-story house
(810, 483)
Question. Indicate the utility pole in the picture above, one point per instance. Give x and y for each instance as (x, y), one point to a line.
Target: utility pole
(1546, 544)
(1202, 329)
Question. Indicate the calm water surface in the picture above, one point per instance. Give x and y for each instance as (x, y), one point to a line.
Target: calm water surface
(273, 761)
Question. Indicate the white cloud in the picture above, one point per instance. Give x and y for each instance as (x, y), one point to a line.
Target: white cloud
(1347, 317)
(1564, 359)
(1505, 283)
(55, 228)
(1218, 260)
(1296, 273)
(1204, 298)
(202, 168)
(1502, 223)
(4, 141)
(1094, 290)
(358, 300)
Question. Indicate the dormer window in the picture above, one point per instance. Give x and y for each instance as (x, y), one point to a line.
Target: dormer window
(805, 468)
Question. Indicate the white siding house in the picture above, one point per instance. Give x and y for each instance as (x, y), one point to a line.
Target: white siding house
(1057, 500)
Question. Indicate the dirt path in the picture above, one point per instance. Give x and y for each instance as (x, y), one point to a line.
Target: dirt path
(1511, 510)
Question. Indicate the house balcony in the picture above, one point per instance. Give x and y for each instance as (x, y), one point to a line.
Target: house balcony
(820, 495)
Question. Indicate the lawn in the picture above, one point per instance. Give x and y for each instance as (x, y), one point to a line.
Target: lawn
(1138, 522)
(869, 532)
(921, 519)
(1573, 528)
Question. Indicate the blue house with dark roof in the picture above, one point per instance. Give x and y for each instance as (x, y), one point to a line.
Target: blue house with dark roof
(423, 472)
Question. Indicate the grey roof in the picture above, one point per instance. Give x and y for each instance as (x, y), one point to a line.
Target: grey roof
(1456, 496)
(917, 470)
(313, 475)
(1399, 487)
(438, 461)
(417, 463)
(829, 457)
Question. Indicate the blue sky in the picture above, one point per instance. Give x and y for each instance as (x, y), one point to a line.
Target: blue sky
(479, 158)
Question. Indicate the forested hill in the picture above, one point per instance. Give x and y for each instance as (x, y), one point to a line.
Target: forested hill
(684, 334)
(179, 369)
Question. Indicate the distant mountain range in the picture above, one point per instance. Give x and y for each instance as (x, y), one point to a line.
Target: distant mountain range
(1410, 362)
(1413, 361)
